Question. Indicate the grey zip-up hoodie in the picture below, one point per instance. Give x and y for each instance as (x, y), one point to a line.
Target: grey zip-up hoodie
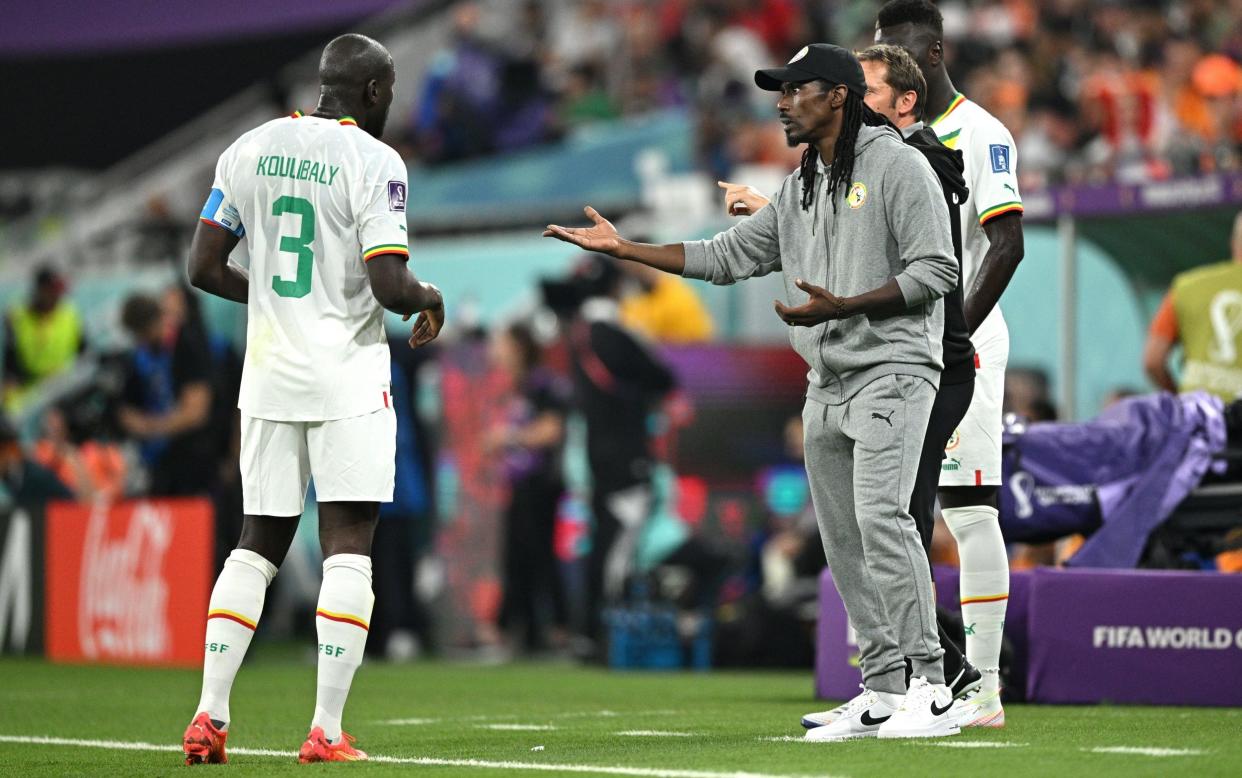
(891, 221)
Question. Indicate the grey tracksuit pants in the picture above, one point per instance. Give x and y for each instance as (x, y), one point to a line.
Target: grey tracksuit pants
(861, 460)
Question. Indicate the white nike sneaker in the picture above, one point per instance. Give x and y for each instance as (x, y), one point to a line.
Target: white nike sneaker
(858, 718)
(923, 713)
(824, 718)
(979, 709)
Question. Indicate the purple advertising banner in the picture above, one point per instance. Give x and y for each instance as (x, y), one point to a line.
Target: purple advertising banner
(1180, 194)
(66, 28)
(836, 650)
(1157, 637)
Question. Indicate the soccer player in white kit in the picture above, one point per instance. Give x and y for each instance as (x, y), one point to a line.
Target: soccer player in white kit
(320, 202)
(991, 250)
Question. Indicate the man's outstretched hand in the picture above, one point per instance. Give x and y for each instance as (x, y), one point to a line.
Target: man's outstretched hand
(822, 307)
(601, 236)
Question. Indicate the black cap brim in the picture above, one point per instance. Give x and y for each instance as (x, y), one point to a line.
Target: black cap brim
(770, 79)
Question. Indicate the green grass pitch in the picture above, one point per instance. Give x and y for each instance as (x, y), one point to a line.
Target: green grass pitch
(455, 720)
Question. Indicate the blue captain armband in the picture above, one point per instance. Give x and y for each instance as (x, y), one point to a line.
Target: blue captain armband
(221, 214)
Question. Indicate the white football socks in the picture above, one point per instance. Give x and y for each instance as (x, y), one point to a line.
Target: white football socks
(341, 620)
(232, 616)
(984, 585)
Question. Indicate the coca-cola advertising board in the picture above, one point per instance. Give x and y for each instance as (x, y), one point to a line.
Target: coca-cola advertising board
(128, 583)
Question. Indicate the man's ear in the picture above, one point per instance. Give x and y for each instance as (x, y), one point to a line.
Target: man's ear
(907, 102)
(372, 92)
(935, 53)
(837, 98)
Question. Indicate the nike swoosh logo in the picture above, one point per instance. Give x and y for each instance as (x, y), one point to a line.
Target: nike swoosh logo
(867, 721)
(938, 711)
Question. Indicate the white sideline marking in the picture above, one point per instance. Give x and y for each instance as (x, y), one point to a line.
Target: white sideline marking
(642, 772)
(950, 744)
(971, 744)
(406, 722)
(1144, 751)
(586, 714)
(612, 714)
(787, 739)
(517, 727)
(654, 733)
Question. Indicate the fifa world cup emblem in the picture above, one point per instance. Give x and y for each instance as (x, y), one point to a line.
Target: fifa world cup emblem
(1226, 315)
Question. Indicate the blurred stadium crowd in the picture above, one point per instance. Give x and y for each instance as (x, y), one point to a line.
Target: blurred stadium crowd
(1091, 89)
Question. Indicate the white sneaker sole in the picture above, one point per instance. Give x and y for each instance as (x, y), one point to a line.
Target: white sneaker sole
(945, 731)
(839, 738)
(991, 721)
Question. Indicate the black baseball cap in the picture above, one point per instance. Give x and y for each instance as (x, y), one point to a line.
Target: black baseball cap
(819, 60)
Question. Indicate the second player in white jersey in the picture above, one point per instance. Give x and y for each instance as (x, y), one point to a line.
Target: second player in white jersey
(973, 454)
(991, 171)
(315, 199)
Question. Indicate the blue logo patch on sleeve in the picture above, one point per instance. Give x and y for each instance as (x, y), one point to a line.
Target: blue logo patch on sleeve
(396, 196)
(1000, 157)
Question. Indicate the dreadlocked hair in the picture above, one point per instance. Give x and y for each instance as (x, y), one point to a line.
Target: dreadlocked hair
(855, 115)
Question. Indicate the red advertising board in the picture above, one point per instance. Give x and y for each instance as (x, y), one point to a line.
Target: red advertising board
(128, 583)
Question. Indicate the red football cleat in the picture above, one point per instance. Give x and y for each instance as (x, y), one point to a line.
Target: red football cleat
(318, 749)
(204, 744)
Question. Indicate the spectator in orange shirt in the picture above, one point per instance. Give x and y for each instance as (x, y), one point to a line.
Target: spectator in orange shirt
(91, 470)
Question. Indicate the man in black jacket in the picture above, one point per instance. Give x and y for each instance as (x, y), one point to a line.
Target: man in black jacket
(616, 381)
(896, 88)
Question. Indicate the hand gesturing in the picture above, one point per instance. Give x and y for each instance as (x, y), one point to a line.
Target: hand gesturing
(601, 236)
(742, 200)
(822, 306)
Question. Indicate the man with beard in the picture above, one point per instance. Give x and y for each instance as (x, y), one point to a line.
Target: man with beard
(865, 217)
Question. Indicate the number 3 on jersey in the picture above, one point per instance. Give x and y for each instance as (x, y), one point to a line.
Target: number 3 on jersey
(301, 285)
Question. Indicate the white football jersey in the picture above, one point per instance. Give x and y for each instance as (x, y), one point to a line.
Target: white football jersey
(314, 199)
(991, 162)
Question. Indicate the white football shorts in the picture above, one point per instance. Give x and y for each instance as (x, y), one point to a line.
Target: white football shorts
(351, 460)
(973, 453)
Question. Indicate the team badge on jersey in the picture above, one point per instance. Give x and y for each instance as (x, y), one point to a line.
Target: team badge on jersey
(396, 196)
(954, 440)
(1000, 157)
(857, 195)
